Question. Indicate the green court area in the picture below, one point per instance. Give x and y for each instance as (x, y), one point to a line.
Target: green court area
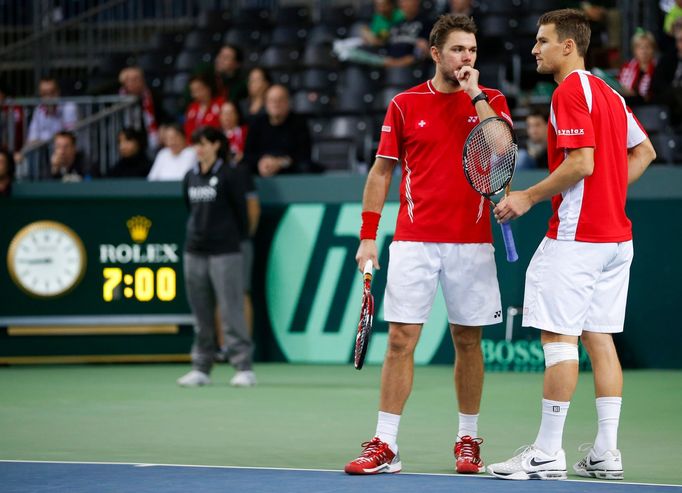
(310, 417)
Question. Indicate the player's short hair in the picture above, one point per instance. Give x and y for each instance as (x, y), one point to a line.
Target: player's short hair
(69, 135)
(569, 23)
(446, 24)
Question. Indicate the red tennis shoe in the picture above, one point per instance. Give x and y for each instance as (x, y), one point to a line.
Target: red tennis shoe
(376, 457)
(468, 455)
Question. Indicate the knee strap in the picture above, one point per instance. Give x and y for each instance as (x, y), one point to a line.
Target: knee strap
(558, 352)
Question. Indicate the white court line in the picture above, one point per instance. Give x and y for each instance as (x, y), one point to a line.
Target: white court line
(256, 468)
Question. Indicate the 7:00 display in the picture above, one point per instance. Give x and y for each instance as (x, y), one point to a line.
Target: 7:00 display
(143, 284)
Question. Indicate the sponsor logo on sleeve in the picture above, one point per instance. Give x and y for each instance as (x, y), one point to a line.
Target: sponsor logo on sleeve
(386, 128)
(570, 131)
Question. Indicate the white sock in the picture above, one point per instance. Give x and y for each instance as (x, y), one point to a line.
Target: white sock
(387, 429)
(608, 416)
(468, 425)
(551, 432)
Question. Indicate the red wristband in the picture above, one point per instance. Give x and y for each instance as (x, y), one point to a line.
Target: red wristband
(370, 225)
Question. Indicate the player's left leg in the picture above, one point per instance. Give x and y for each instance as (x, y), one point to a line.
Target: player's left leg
(604, 460)
(469, 388)
(545, 458)
(468, 278)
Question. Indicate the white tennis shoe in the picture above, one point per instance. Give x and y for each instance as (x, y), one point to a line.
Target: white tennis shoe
(243, 379)
(531, 463)
(609, 465)
(194, 378)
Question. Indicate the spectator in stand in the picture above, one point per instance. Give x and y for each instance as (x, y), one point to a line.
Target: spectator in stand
(535, 153)
(6, 172)
(133, 163)
(204, 110)
(50, 118)
(386, 15)
(67, 163)
(234, 129)
(462, 7)
(258, 83)
(278, 141)
(673, 14)
(373, 36)
(407, 42)
(635, 75)
(11, 122)
(175, 159)
(667, 80)
(133, 84)
(230, 82)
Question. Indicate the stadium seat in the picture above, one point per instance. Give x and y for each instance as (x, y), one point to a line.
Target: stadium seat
(291, 36)
(201, 40)
(214, 20)
(245, 37)
(281, 57)
(253, 18)
(318, 56)
(500, 6)
(334, 154)
(310, 102)
(316, 79)
(293, 15)
(404, 77)
(653, 117)
(668, 148)
(321, 34)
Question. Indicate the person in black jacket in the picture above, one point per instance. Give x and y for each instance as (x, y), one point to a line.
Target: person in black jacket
(215, 195)
(132, 147)
(278, 141)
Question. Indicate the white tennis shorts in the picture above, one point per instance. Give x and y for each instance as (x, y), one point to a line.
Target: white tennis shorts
(467, 275)
(573, 286)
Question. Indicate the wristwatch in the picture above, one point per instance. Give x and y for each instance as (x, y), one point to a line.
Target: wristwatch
(481, 97)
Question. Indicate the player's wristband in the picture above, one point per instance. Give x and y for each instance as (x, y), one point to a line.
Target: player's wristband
(370, 225)
(481, 97)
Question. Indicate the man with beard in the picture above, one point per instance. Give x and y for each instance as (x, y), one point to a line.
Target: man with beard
(443, 234)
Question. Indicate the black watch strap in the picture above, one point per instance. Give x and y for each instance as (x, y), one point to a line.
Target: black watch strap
(481, 97)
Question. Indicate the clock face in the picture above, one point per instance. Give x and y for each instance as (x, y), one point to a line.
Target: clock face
(46, 259)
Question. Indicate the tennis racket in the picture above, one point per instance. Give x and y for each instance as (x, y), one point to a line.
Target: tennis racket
(489, 158)
(366, 317)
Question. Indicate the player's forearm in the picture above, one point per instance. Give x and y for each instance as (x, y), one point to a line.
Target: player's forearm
(578, 165)
(484, 110)
(639, 159)
(378, 183)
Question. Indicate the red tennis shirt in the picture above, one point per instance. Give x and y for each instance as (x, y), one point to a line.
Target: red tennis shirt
(425, 130)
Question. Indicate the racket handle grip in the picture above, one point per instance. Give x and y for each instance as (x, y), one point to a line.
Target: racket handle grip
(369, 265)
(509, 245)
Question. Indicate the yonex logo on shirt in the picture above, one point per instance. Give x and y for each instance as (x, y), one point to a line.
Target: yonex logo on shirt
(386, 128)
(570, 131)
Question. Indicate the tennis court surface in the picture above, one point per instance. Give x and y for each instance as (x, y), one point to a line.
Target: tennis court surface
(116, 428)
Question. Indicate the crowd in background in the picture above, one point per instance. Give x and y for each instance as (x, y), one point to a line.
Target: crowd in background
(269, 137)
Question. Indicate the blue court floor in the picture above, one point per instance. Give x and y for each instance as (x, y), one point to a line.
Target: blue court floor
(74, 477)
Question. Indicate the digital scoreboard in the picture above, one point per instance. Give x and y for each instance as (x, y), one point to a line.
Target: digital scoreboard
(111, 263)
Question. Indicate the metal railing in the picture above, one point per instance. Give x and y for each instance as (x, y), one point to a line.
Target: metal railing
(100, 120)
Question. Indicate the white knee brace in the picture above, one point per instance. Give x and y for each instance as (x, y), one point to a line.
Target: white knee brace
(558, 352)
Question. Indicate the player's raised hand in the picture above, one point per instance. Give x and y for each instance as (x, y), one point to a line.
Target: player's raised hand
(468, 78)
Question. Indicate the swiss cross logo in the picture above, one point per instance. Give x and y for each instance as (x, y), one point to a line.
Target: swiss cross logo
(472, 119)
(421, 123)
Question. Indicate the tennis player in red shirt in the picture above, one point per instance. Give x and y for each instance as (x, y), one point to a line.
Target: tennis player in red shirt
(443, 235)
(577, 281)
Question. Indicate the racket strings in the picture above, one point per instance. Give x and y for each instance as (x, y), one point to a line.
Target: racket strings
(490, 158)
